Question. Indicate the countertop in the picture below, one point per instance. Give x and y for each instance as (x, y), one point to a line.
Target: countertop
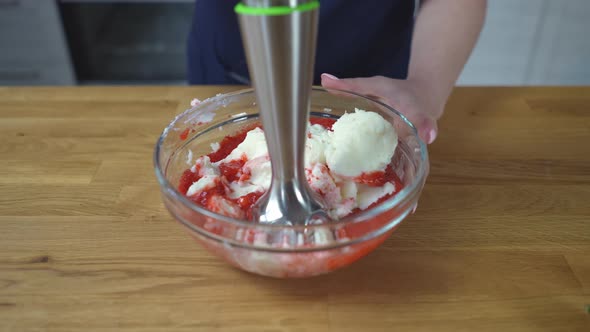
(500, 240)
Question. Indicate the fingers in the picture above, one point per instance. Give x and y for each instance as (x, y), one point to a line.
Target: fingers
(377, 88)
(368, 86)
(329, 77)
(355, 85)
(365, 86)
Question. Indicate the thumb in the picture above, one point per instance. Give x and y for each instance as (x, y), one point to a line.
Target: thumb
(427, 129)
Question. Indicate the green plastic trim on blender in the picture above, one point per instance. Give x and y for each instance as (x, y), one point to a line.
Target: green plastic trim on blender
(240, 8)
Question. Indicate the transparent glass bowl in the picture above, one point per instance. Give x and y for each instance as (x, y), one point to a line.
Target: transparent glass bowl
(274, 250)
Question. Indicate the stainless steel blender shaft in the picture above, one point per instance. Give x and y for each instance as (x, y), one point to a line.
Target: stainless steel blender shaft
(279, 39)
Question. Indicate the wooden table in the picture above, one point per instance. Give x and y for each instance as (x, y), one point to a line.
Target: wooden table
(500, 240)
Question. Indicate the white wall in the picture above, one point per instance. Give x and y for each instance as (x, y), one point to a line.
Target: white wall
(532, 42)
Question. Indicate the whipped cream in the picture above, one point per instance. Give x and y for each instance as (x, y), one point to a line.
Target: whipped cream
(361, 142)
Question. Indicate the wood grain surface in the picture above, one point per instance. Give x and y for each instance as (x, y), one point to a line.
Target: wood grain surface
(500, 240)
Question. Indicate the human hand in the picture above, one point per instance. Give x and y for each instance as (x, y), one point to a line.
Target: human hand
(403, 95)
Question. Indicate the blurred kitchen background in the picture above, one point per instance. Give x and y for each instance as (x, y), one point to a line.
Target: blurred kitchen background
(93, 42)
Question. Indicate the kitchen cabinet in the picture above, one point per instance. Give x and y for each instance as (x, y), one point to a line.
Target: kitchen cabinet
(32, 43)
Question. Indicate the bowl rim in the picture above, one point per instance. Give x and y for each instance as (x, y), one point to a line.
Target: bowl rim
(407, 192)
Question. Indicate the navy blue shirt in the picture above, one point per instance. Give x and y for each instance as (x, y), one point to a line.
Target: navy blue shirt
(356, 38)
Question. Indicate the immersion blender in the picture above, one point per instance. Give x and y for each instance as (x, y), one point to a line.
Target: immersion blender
(280, 39)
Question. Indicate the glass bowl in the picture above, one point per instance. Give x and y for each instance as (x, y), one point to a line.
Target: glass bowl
(278, 250)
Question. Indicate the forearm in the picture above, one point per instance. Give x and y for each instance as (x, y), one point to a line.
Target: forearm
(445, 33)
